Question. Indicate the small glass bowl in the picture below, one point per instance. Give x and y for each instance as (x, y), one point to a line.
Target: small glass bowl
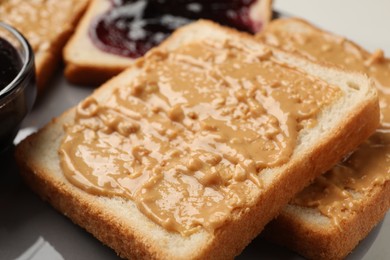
(18, 96)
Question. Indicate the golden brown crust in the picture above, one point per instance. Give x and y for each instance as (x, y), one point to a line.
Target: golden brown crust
(227, 242)
(86, 74)
(81, 212)
(330, 243)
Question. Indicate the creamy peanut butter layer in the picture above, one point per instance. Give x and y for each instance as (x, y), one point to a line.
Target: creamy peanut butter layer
(337, 193)
(187, 139)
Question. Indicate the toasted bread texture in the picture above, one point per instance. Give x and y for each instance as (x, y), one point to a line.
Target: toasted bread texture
(47, 25)
(309, 230)
(117, 222)
(88, 65)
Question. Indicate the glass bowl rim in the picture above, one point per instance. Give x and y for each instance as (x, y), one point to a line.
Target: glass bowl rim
(27, 64)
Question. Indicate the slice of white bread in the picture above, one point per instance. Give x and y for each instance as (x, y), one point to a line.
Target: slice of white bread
(340, 127)
(305, 229)
(47, 25)
(88, 65)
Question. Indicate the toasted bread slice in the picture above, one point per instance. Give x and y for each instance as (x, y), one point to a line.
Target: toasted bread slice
(87, 64)
(329, 226)
(340, 126)
(47, 25)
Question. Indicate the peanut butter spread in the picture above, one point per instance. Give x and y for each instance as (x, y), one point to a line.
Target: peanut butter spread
(339, 192)
(187, 137)
(40, 21)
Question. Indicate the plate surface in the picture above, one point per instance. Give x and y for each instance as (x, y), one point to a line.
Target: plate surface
(31, 229)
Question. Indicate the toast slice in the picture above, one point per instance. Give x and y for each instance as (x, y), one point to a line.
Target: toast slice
(328, 225)
(47, 25)
(127, 225)
(87, 64)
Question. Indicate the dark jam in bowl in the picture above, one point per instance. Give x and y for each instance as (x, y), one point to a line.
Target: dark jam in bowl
(10, 63)
(17, 84)
(131, 27)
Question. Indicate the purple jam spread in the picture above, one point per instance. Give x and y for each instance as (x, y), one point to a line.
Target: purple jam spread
(10, 63)
(131, 27)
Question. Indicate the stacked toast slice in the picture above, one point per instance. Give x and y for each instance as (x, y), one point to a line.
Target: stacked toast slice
(329, 218)
(203, 49)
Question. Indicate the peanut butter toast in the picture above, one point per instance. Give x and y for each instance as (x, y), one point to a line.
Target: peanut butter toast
(47, 25)
(189, 152)
(329, 218)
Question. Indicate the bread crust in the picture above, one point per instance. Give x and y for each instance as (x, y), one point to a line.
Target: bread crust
(328, 241)
(130, 240)
(90, 75)
(315, 242)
